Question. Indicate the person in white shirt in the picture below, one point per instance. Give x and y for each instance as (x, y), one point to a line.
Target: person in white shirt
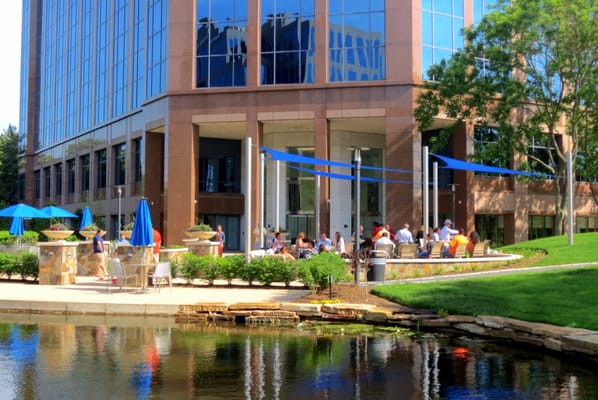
(384, 240)
(404, 235)
(323, 240)
(446, 232)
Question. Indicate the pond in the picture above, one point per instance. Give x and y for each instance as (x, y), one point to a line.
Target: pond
(75, 357)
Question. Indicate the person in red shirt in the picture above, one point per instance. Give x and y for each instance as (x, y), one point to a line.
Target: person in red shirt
(157, 243)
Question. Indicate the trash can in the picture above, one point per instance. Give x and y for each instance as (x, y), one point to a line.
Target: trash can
(377, 266)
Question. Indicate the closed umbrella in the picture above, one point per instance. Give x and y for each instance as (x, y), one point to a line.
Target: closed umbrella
(142, 228)
(85, 218)
(57, 212)
(17, 226)
(22, 210)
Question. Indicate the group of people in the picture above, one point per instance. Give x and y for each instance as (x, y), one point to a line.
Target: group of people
(385, 235)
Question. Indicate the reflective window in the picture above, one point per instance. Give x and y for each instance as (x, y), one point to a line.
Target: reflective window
(72, 63)
(85, 99)
(356, 40)
(37, 180)
(138, 148)
(47, 182)
(220, 166)
(487, 149)
(84, 162)
(480, 8)
(120, 63)
(58, 179)
(120, 154)
(442, 24)
(101, 65)
(70, 178)
(138, 53)
(156, 47)
(221, 53)
(539, 226)
(287, 42)
(100, 157)
(23, 105)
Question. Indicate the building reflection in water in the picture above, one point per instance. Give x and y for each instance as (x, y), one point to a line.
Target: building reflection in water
(130, 358)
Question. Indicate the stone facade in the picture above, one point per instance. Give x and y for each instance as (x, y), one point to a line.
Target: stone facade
(57, 262)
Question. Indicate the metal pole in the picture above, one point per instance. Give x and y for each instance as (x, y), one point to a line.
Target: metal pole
(248, 191)
(317, 206)
(570, 194)
(454, 206)
(262, 198)
(356, 266)
(120, 192)
(435, 192)
(277, 199)
(426, 190)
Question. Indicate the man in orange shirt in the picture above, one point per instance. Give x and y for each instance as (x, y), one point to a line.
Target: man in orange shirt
(157, 243)
(455, 241)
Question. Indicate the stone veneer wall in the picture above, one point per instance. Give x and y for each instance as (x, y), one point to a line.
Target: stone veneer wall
(561, 339)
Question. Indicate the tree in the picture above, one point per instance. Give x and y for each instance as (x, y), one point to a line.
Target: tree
(530, 70)
(9, 167)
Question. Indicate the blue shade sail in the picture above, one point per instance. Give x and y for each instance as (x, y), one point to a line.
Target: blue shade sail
(57, 212)
(451, 163)
(22, 210)
(85, 218)
(142, 228)
(17, 227)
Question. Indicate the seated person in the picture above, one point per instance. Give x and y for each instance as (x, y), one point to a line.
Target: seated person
(323, 240)
(455, 241)
(286, 255)
(384, 240)
(278, 241)
(301, 244)
(322, 248)
(474, 238)
(273, 249)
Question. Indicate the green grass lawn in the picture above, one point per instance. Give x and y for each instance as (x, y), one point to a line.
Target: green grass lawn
(563, 297)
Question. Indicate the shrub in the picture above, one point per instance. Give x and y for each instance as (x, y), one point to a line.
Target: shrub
(315, 271)
(284, 271)
(190, 266)
(208, 268)
(28, 266)
(251, 271)
(8, 264)
(230, 267)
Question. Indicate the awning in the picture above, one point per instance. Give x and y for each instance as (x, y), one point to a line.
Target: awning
(452, 163)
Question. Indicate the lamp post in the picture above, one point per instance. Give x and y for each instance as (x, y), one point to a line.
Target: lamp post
(119, 190)
(357, 181)
(453, 189)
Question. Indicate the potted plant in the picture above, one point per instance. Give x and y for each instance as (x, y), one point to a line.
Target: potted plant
(58, 231)
(201, 231)
(127, 230)
(89, 231)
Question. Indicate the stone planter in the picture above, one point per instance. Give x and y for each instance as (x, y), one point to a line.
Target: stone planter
(57, 235)
(201, 235)
(127, 234)
(87, 234)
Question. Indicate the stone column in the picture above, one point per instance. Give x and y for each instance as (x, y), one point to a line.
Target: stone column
(57, 262)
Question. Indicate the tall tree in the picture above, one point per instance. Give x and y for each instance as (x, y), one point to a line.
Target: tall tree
(529, 69)
(9, 167)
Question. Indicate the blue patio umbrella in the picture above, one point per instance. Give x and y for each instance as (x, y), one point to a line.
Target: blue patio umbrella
(17, 227)
(142, 228)
(22, 210)
(85, 218)
(57, 212)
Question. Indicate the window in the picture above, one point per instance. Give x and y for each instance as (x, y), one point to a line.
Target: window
(481, 8)
(540, 226)
(287, 42)
(100, 157)
(356, 42)
(58, 179)
(586, 224)
(220, 166)
(488, 150)
(37, 179)
(540, 155)
(491, 227)
(120, 153)
(84, 162)
(221, 54)
(300, 185)
(442, 25)
(445, 175)
(138, 146)
(47, 182)
(70, 179)
(157, 16)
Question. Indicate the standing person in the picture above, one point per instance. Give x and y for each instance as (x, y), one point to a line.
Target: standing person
(339, 244)
(220, 238)
(98, 253)
(157, 243)
(446, 232)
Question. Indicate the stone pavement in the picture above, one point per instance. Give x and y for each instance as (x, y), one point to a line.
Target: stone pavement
(90, 296)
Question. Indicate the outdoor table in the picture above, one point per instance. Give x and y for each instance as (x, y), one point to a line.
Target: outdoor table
(144, 267)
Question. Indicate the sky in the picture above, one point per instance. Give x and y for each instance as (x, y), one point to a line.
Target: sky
(10, 66)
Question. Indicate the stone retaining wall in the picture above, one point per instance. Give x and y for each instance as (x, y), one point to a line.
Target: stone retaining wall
(561, 339)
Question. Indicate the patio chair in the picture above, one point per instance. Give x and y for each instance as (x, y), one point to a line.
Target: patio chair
(161, 275)
(461, 250)
(117, 275)
(408, 250)
(388, 248)
(436, 251)
(480, 249)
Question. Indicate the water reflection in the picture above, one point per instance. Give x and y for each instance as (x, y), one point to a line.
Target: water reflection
(96, 358)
